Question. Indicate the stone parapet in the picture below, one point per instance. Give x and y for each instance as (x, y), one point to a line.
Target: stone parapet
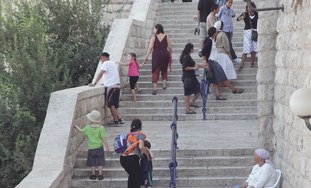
(57, 147)
(59, 141)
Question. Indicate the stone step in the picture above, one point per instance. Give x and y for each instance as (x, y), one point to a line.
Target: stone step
(182, 110)
(237, 83)
(174, 90)
(174, 77)
(170, 24)
(183, 161)
(190, 153)
(182, 45)
(176, 70)
(182, 171)
(191, 117)
(209, 103)
(199, 181)
(195, 38)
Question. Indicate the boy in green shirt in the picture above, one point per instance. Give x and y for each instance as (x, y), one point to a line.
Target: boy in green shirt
(96, 138)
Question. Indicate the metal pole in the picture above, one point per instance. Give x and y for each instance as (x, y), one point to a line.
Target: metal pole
(271, 8)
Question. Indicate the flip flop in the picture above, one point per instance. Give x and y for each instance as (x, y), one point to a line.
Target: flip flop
(193, 105)
(221, 98)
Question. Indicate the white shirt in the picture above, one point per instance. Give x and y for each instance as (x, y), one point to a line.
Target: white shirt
(260, 177)
(111, 74)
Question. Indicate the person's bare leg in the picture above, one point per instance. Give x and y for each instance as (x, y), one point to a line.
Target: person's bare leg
(164, 84)
(216, 90)
(253, 56)
(93, 170)
(133, 94)
(195, 97)
(100, 170)
(187, 102)
(244, 56)
(228, 84)
(114, 113)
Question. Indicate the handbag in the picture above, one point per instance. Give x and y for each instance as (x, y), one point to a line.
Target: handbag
(254, 35)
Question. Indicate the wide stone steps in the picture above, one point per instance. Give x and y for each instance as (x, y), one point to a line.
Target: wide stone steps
(189, 117)
(209, 103)
(217, 168)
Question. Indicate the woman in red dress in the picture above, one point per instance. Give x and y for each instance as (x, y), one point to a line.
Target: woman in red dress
(161, 48)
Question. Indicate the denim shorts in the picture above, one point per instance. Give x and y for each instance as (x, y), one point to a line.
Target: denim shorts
(95, 157)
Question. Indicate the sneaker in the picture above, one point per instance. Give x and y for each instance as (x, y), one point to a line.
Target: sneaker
(93, 177)
(237, 60)
(113, 124)
(121, 121)
(100, 177)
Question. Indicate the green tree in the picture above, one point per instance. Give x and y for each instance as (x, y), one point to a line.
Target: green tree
(45, 46)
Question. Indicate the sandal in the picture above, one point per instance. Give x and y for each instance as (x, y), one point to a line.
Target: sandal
(154, 92)
(220, 98)
(253, 65)
(190, 112)
(238, 91)
(193, 105)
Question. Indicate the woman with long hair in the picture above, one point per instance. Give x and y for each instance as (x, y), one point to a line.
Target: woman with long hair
(161, 48)
(191, 84)
(250, 17)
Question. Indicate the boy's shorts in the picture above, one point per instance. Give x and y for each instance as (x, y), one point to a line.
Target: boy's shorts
(95, 157)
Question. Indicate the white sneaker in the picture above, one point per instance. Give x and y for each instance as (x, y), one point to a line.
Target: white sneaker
(237, 60)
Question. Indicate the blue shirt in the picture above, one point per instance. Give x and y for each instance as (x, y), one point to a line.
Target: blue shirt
(225, 15)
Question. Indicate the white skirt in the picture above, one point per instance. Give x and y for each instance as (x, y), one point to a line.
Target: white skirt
(225, 62)
(248, 45)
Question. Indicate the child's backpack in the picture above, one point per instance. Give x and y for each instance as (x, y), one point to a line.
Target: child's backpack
(125, 143)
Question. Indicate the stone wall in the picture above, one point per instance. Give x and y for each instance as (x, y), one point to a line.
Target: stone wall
(59, 141)
(283, 68)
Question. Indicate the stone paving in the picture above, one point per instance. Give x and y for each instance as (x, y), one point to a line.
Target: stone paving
(221, 134)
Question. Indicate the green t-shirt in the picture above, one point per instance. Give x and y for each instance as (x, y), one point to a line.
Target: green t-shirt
(95, 136)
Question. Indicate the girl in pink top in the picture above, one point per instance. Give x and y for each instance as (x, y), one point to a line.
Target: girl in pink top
(132, 73)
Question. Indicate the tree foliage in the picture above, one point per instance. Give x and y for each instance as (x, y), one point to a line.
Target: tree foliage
(45, 45)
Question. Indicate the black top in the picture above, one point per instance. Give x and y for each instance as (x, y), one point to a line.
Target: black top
(205, 7)
(188, 62)
(248, 21)
(206, 51)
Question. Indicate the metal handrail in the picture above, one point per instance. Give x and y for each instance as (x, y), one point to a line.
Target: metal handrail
(173, 163)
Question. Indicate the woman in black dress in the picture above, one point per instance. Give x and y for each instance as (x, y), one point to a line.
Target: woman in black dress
(191, 84)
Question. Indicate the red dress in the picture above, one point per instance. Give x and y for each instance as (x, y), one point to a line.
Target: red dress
(160, 54)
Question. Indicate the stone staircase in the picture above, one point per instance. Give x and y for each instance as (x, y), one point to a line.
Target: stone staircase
(179, 26)
(200, 168)
(210, 168)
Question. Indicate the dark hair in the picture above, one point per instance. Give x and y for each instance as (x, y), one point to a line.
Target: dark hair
(147, 144)
(211, 31)
(133, 55)
(104, 54)
(135, 125)
(252, 4)
(214, 7)
(186, 51)
(222, 25)
(159, 28)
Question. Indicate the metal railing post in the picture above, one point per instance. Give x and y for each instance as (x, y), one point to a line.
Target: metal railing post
(173, 164)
